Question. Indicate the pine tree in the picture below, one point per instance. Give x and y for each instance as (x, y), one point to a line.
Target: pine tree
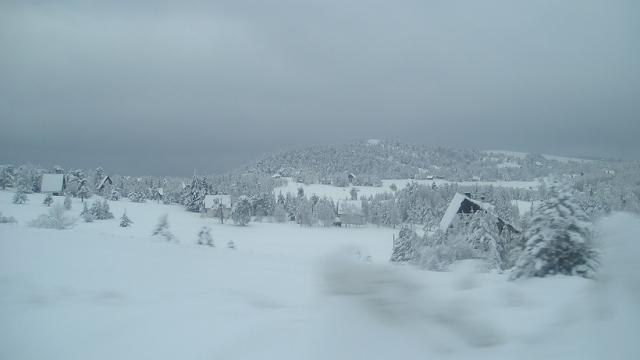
(241, 214)
(204, 237)
(125, 221)
(559, 240)
(485, 239)
(67, 202)
(404, 245)
(48, 200)
(105, 213)
(86, 214)
(193, 196)
(279, 214)
(162, 228)
(83, 190)
(325, 212)
(20, 197)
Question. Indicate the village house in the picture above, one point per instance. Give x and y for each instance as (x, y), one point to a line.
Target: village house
(53, 184)
(350, 212)
(462, 205)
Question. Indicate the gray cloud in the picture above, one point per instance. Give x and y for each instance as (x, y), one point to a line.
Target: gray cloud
(165, 87)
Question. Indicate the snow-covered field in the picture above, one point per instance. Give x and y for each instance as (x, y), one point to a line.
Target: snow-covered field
(98, 291)
(341, 193)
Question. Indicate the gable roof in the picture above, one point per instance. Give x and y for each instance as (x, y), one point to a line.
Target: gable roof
(211, 201)
(104, 182)
(52, 183)
(454, 207)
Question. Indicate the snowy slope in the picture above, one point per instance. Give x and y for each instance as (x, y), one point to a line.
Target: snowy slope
(99, 291)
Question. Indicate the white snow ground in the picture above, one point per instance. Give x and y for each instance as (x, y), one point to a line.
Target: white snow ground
(98, 291)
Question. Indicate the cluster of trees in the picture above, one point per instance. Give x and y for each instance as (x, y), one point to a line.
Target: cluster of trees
(557, 239)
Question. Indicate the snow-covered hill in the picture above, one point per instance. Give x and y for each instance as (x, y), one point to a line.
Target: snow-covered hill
(98, 291)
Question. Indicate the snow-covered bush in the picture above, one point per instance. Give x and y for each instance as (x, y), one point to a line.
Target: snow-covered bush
(54, 219)
(440, 254)
(7, 219)
(404, 245)
(100, 210)
(125, 221)
(20, 197)
(67, 202)
(162, 228)
(231, 245)
(136, 196)
(559, 240)
(115, 195)
(204, 237)
(241, 213)
(48, 200)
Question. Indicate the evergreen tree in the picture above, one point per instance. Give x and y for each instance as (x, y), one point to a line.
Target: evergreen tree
(193, 196)
(86, 214)
(83, 190)
(559, 240)
(279, 214)
(67, 202)
(325, 212)
(48, 200)
(404, 245)
(204, 237)
(125, 221)
(162, 228)
(484, 238)
(241, 213)
(353, 193)
(20, 197)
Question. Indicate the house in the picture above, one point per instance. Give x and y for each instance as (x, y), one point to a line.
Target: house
(106, 180)
(464, 204)
(218, 206)
(52, 184)
(350, 212)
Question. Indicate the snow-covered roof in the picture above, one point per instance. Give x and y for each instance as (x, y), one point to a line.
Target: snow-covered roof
(454, 206)
(104, 181)
(52, 183)
(349, 207)
(213, 201)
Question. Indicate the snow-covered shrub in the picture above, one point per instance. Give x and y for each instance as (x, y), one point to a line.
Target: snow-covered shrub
(125, 221)
(7, 219)
(404, 245)
(136, 196)
(440, 255)
(67, 202)
(100, 210)
(54, 219)
(48, 200)
(115, 195)
(559, 240)
(204, 237)
(162, 228)
(231, 245)
(20, 197)
(241, 213)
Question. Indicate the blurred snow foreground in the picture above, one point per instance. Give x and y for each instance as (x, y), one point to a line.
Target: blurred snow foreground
(390, 294)
(599, 319)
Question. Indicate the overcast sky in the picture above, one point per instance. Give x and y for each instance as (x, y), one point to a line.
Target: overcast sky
(163, 87)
